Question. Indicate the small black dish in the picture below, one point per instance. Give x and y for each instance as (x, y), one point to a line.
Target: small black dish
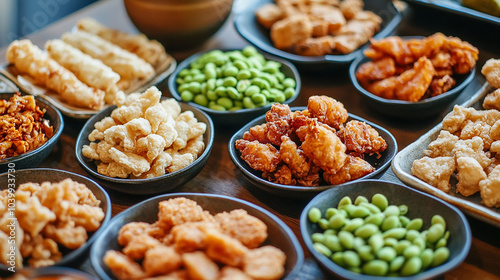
(239, 117)
(37, 156)
(249, 28)
(156, 185)
(302, 192)
(54, 272)
(40, 175)
(279, 234)
(420, 205)
(407, 109)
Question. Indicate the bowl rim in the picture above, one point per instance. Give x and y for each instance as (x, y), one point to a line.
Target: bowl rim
(362, 58)
(346, 274)
(107, 112)
(74, 254)
(303, 189)
(50, 142)
(172, 84)
(117, 219)
(254, 40)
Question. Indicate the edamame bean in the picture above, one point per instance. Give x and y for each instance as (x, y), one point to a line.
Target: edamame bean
(392, 242)
(397, 233)
(438, 219)
(376, 241)
(346, 239)
(248, 104)
(441, 243)
(386, 254)
(376, 219)
(365, 253)
(401, 246)
(289, 92)
(412, 235)
(330, 231)
(330, 212)
(318, 237)
(411, 266)
(373, 209)
(344, 201)
(404, 220)
(375, 268)
(337, 221)
(411, 251)
(322, 249)
(380, 201)
(333, 243)
(396, 263)
(234, 94)
(314, 215)
(351, 259)
(212, 95)
(427, 257)
(187, 96)
(338, 258)
(358, 242)
(365, 231)
(229, 82)
(420, 242)
(392, 210)
(217, 107)
(288, 82)
(360, 199)
(201, 100)
(390, 222)
(440, 256)
(353, 224)
(359, 212)
(415, 224)
(403, 209)
(194, 87)
(323, 223)
(436, 231)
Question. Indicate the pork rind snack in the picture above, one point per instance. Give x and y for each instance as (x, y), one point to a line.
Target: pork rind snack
(51, 218)
(310, 147)
(189, 243)
(22, 126)
(145, 137)
(468, 147)
(91, 66)
(314, 28)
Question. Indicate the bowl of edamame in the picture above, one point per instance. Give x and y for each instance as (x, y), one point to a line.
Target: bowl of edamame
(234, 86)
(372, 229)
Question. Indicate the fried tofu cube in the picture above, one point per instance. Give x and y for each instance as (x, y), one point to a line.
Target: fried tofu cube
(199, 266)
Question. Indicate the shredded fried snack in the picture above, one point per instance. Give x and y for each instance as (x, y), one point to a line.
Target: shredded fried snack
(22, 126)
(415, 69)
(304, 147)
(145, 138)
(52, 217)
(187, 242)
(315, 28)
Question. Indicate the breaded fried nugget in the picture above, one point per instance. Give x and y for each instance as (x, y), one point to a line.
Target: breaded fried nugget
(225, 249)
(290, 30)
(469, 174)
(491, 70)
(354, 168)
(122, 266)
(492, 100)
(45, 252)
(232, 273)
(161, 260)
(442, 146)
(415, 82)
(453, 121)
(131, 230)
(258, 132)
(490, 188)
(31, 214)
(282, 175)
(350, 8)
(327, 110)
(67, 234)
(238, 224)
(435, 171)
(376, 70)
(472, 148)
(315, 46)
(269, 14)
(180, 210)
(477, 128)
(266, 262)
(361, 138)
(294, 157)
(191, 236)
(278, 122)
(199, 266)
(137, 247)
(263, 157)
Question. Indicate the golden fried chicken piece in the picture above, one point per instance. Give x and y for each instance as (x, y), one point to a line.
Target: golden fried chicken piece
(269, 14)
(315, 46)
(490, 188)
(131, 230)
(472, 148)
(258, 132)
(283, 175)
(327, 110)
(392, 46)
(290, 30)
(350, 8)
(435, 171)
(224, 248)
(361, 138)
(463, 55)
(137, 247)
(191, 236)
(294, 157)
(470, 172)
(477, 128)
(312, 179)
(161, 260)
(491, 70)
(322, 146)
(179, 210)
(122, 266)
(331, 15)
(442, 146)
(278, 122)
(354, 168)
(440, 85)
(376, 70)
(492, 100)
(263, 157)
(199, 266)
(232, 273)
(266, 262)
(238, 224)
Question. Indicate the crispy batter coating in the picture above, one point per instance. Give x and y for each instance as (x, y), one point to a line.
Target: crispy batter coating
(263, 157)
(266, 263)
(376, 70)
(294, 157)
(361, 138)
(238, 224)
(232, 273)
(199, 266)
(354, 168)
(191, 236)
(139, 245)
(278, 123)
(122, 266)
(282, 175)
(435, 171)
(258, 132)
(473, 148)
(492, 100)
(327, 110)
(225, 249)
(442, 146)
(491, 70)
(161, 260)
(131, 230)
(179, 210)
(469, 174)
(490, 188)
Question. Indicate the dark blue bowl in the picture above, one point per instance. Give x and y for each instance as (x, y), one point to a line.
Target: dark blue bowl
(249, 28)
(420, 205)
(302, 192)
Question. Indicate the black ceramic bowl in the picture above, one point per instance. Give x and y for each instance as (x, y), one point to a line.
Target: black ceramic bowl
(420, 205)
(407, 109)
(37, 156)
(54, 272)
(301, 192)
(40, 175)
(279, 234)
(249, 28)
(156, 185)
(239, 117)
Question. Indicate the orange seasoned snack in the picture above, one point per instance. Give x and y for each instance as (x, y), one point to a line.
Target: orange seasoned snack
(51, 218)
(314, 28)
(415, 69)
(187, 242)
(22, 126)
(310, 147)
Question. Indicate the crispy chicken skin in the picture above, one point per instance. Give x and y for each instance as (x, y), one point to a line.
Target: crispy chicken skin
(361, 138)
(263, 157)
(279, 122)
(354, 168)
(327, 110)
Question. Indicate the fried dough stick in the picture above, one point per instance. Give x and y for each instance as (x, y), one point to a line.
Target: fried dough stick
(29, 59)
(87, 69)
(128, 65)
(149, 50)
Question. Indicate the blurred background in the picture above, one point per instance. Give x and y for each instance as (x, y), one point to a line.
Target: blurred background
(22, 17)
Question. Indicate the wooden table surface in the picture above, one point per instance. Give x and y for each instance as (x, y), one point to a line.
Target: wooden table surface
(220, 176)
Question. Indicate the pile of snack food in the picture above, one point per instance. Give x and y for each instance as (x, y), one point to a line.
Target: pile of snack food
(91, 66)
(49, 220)
(145, 137)
(315, 28)
(415, 69)
(187, 242)
(312, 146)
(22, 126)
(467, 147)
